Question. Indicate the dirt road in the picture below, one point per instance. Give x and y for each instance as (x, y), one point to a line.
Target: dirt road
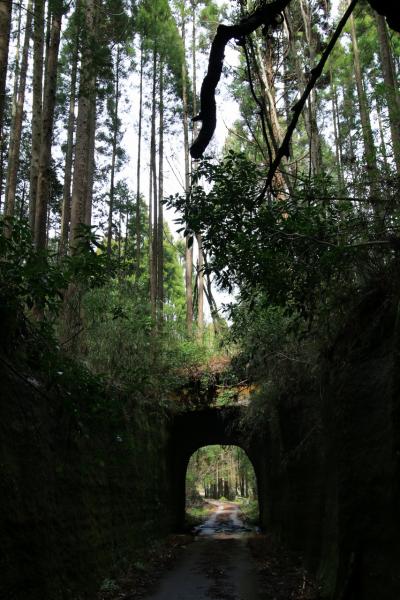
(218, 565)
(222, 560)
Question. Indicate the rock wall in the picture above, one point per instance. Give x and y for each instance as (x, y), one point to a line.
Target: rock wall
(75, 500)
(79, 496)
(332, 462)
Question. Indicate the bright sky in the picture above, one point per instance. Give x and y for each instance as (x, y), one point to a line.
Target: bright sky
(174, 157)
(227, 114)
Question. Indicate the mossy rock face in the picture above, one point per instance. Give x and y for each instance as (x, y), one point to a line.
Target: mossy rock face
(75, 501)
(332, 470)
(78, 497)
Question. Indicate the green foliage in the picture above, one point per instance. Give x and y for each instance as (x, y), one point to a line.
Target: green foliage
(31, 279)
(195, 515)
(27, 278)
(121, 340)
(298, 251)
(249, 511)
(219, 472)
(160, 34)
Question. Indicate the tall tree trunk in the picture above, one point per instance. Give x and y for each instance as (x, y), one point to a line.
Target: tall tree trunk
(115, 127)
(49, 101)
(150, 219)
(348, 112)
(200, 272)
(188, 247)
(86, 98)
(336, 130)
(368, 139)
(87, 89)
(211, 300)
(309, 114)
(391, 87)
(160, 244)
(5, 28)
(13, 107)
(37, 93)
(200, 286)
(382, 137)
(138, 165)
(91, 158)
(69, 154)
(14, 151)
(315, 140)
(153, 169)
(271, 115)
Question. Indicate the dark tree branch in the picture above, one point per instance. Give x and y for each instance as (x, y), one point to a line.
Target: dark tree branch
(266, 15)
(388, 9)
(284, 149)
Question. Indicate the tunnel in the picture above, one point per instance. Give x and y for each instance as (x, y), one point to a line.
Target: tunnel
(195, 429)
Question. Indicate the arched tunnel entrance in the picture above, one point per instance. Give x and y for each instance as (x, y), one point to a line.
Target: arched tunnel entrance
(220, 478)
(212, 426)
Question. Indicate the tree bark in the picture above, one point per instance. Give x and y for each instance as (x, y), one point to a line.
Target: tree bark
(15, 145)
(265, 15)
(382, 137)
(391, 87)
(368, 139)
(69, 155)
(3, 148)
(314, 136)
(298, 107)
(91, 158)
(49, 101)
(188, 247)
(87, 90)
(13, 110)
(265, 74)
(115, 128)
(309, 114)
(336, 132)
(200, 271)
(5, 29)
(138, 166)
(160, 228)
(37, 93)
(153, 170)
(200, 286)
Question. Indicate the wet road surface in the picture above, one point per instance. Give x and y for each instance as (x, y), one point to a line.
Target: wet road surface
(218, 565)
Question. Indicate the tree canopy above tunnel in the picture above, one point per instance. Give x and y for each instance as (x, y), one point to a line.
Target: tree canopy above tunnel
(268, 16)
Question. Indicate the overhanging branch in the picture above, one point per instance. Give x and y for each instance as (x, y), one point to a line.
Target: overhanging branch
(266, 15)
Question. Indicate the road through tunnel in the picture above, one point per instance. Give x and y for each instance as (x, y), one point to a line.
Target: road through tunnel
(212, 426)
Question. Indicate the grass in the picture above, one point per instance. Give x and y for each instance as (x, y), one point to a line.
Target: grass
(249, 511)
(198, 513)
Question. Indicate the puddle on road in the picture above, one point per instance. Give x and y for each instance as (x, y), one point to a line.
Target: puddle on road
(224, 523)
(218, 565)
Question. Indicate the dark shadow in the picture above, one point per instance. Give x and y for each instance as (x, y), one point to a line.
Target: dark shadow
(212, 426)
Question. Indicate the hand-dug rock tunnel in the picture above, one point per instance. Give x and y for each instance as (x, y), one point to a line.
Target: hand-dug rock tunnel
(194, 429)
(326, 459)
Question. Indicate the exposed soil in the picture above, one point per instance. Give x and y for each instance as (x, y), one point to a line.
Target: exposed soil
(226, 561)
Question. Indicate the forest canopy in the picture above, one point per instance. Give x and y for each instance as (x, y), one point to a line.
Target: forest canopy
(294, 214)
